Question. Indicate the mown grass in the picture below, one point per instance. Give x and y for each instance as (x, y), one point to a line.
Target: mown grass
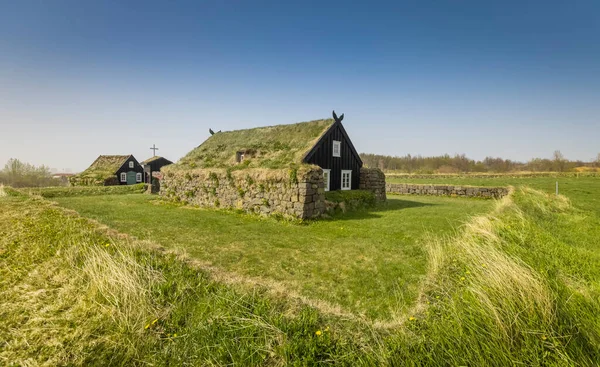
(367, 262)
(583, 191)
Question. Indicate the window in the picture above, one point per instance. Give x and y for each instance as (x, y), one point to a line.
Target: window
(326, 175)
(123, 177)
(337, 148)
(138, 177)
(130, 164)
(346, 179)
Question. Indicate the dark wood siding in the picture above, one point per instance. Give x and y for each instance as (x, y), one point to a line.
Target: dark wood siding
(322, 156)
(158, 163)
(155, 166)
(137, 168)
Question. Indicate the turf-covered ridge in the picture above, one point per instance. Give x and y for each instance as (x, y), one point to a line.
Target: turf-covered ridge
(274, 147)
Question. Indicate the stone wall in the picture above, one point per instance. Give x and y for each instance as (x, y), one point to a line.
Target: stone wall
(447, 190)
(373, 179)
(291, 193)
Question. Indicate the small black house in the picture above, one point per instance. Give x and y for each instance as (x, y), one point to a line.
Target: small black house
(153, 165)
(111, 170)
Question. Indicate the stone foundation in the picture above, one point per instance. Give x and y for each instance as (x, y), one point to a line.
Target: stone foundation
(291, 193)
(447, 190)
(373, 179)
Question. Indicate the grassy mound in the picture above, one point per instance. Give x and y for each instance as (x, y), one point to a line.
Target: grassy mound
(520, 285)
(52, 192)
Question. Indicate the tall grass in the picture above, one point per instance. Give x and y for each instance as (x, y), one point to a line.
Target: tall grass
(487, 302)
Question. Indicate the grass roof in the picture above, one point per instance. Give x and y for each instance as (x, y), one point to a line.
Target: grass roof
(151, 159)
(104, 166)
(279, 146)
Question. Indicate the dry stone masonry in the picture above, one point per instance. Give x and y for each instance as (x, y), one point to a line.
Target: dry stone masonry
(291, 193)
(373, 179)
(447, 190)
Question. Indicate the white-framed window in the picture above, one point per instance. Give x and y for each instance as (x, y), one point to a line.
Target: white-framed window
(337, 148)
(123, 177)
(138, 177)
(326, 178)
(130, 164)
(346, 179)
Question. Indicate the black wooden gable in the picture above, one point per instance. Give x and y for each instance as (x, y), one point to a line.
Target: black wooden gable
(321, 155)
(137, 167)
(338, 133)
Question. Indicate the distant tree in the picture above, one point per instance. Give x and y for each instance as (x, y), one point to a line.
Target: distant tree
(20, 174)
(559, 161)
(597, 161)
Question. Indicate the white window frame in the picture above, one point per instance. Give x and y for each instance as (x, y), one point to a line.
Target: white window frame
(349, 172)
(138, 177)
(327, 173)
(337, 144)
(131, 164)
(123, 177)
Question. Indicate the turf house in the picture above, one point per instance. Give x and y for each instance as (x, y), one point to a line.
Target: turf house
(110, 170)
(283, 169)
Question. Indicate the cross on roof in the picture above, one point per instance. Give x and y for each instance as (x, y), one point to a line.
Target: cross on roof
(154, 149)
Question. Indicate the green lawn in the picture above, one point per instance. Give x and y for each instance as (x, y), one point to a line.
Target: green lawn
(583, 191)
(368, 262)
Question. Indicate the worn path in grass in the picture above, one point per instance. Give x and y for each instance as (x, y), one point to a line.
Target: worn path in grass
(369, 263)
(583, 191)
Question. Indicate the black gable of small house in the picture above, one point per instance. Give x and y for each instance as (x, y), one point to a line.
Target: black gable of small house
(137, 168)
(322, 155)
(156, 164)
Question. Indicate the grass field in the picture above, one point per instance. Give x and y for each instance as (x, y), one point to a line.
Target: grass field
(367, 263)
(518, 284)
(583, 191)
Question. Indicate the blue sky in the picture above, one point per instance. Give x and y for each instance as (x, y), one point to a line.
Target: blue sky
(515, 79)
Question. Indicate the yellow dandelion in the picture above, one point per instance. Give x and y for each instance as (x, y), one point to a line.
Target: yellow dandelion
(467, 272)
(147, 326)
(327, 328)
(544, 337)
(462, 278)
(483, 265)
(318, 332)
(154, 322)
(412, 318)
(108, 244)
(174, 335)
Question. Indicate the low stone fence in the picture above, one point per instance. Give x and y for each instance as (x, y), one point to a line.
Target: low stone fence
(373, 179)
(289, 192)
(447, 190)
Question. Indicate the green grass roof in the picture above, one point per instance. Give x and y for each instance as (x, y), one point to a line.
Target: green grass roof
(279, 146)
(104, 166)
(151, 159)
